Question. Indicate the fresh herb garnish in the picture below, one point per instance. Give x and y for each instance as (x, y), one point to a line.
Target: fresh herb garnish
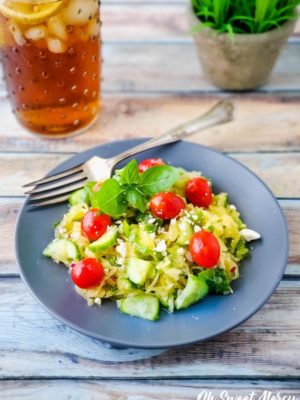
(110, 198)
(129, 188)
(216, 280)
(157, 179)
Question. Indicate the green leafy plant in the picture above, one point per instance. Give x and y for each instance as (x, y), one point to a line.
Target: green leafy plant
(129, 188)
(243, 16)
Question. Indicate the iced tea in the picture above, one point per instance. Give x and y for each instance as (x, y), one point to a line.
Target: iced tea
(52, 59)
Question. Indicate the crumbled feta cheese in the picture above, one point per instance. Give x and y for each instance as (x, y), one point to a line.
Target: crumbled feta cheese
(152, 235)
(189, 256)
(151, 220)
(182, 225)
(120, 261)
(232, 207)
(197, 228)
(180, 250)
(61, 230)
(121, 248)
(249, 234)
(98, 301)
(161, 246)
(118, 222)
(194, 217)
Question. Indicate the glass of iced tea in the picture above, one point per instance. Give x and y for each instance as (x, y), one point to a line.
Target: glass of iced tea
(52, 58)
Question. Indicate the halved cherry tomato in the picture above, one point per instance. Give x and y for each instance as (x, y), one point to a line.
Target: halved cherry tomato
(149, 162)
(198, 192)
(87, 273)
(94, 224)
(166, 205)
(205, 249)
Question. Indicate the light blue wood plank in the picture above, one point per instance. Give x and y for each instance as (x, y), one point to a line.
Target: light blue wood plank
(34, 344)
(150, 390)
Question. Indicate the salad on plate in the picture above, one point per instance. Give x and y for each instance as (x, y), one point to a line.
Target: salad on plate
(153, 237)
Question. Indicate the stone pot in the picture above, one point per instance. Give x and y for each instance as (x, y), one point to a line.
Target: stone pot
(241, 62)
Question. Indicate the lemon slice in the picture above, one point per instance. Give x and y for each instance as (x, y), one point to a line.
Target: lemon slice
(31, 13)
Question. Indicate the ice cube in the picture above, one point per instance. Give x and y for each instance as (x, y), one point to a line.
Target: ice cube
(79, 12)
(36, 32)
(93, 27)
(17, 34)
(57, 28)
(56, 45)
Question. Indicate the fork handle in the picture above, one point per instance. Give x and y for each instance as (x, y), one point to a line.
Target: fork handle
(221, 113)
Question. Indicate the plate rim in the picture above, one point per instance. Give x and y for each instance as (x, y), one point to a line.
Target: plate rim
(125, 343)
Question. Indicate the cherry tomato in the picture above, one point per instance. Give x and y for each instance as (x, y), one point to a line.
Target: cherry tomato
(166, 205)
(94, 224)
(87, 273)
(148, 163)
(205, 249)
(198, 192)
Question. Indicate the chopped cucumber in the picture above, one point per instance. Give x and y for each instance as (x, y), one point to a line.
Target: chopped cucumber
(182, 180)
(107, 240)
(76, 212)
(186, 232)
(144, 244)
(62, 250)
(125, 285)
(139, 270)
(167, 302)
(78, 197)
(144, 306)
(196, 288)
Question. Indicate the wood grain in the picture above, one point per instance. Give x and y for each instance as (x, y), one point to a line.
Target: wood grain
(18, 169)
(34, 344)
(9, 209)
(140, 390)
(147, 21)
(261, 124)
(175, 67)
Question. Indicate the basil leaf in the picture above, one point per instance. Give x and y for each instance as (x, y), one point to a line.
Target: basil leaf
(130, 173)
(157, 179)
(109, 198)
(136, 199)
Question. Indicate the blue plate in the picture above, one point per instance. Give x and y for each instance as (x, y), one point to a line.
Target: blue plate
(51, 285)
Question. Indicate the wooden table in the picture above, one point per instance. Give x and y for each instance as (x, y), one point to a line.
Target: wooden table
(152, 81)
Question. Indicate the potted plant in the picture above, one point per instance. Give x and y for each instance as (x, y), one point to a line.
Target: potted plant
(238, 41)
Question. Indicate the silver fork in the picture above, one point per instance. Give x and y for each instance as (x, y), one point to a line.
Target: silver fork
(56, 188)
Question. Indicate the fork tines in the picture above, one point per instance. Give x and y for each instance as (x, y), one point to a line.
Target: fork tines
(56, 188)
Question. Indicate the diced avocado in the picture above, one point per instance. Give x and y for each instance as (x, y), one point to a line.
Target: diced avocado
(139, 270)
(107, 240)
(78, 197)
(62, 250)
(144, 306)
(196, 288)
(186, 232)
